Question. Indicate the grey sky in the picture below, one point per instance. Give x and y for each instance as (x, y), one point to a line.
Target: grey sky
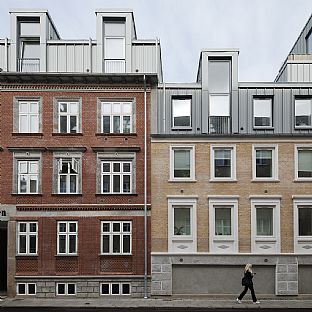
(263, 30)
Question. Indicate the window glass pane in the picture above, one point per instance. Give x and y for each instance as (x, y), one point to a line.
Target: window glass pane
(115, 289)
(116, 108)
(23, 107)
(72, 243)
(34, 124)
(222, 163)
(22, 227)
(23, 123)
(22, 244)
(63, 124)
(223, 221)
(33, 227)
(61, 289)
(74, 108)
(126, 184)
(105, 244)
(116, 124)
(305, 163)
(62, 184)
(106, 184)
(31, 289)
(32, 244)
(73, 124)
(219, 77)
(33, 184)
(264, 164)
(106, 108)
(23, 184)
(262, 112)
(125, 289)
(63, 107)
(33, 167)
(33, 107)
(126, 243)
(105, 289)
(126, 124)
(106, 167)
(116, 167)
(116, 243)
(73, 184)
(116, 183)
(126, 227)
(219, 105)
(106, 227)
(30, 49)
(126, 167)
(116, 227)
(21, 289)
(182, 221)
(303, 112)
(62, 227)
(23, 167)
(106, 124)
(62, 243)
(182, 163)
(264, 221)
(72, 227)
(114, 48)
(305, 221)
(127, 108)
(71, 289)
(114, 29)
(29, 29)
(181, 111)
(309, 43)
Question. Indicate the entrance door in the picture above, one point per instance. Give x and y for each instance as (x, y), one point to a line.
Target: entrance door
(3, 255)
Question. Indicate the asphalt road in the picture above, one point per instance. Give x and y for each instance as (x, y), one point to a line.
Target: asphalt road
(148, 309)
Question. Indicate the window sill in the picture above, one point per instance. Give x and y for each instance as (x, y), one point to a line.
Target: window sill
(116, 134)
(223, 239)
(26, 194)
(181, 128)
(266, 239)
(302, 180)
(27, 134)
(116, 194)
(182, 181)
(66, 194)
(263, 128)
(265, 180)
(67, 134)
(221, 181)
(303, 127)
(115, 254)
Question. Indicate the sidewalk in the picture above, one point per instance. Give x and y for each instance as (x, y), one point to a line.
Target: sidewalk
(104, 302)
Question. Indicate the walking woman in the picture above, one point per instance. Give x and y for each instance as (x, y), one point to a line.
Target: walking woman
(247, 282)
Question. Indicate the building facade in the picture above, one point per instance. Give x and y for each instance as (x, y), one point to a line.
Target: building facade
(75, 158)
(232, 179)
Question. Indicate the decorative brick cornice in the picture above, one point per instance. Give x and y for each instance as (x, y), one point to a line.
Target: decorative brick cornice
(111, 149)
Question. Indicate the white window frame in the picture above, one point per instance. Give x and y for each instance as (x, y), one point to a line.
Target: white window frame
(28, 175)
(303, 126)
(297, 148)
(232, 148)
(74, 161)
(181, 98)
(110, 284)
(66, 289)
(271, 112)
(190, 148)
(121, 115)
(274, 149)
(28, 233)
(302, 244)
(67, 233)
(26, 289)
(68, 114)
(265, 244)
(182, 243)
(121, 234)
(121, 174)
(28, 115)
(118, 63)
(223, 243)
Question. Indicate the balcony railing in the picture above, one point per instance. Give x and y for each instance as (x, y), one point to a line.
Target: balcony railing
(28, 64)
(220, 124)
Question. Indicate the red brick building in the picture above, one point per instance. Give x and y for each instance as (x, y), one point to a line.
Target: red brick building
(75, 159)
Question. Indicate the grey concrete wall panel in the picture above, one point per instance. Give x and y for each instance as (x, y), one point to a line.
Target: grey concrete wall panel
(2, 55)
(300, 46)
(305, 278)
(214, 279)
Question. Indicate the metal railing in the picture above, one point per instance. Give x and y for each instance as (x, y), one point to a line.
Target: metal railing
(28, 64)
(220, 124)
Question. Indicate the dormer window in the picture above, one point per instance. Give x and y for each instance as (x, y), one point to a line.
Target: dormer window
(219, 95)
(114, 45)
(29, 45)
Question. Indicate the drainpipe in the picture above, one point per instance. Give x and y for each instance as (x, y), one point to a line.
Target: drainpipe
(164, 107)
(145, 191)
(90, 49)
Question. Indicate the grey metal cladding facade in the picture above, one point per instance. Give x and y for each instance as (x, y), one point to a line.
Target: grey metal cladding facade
(242, 114)
(300, 46)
